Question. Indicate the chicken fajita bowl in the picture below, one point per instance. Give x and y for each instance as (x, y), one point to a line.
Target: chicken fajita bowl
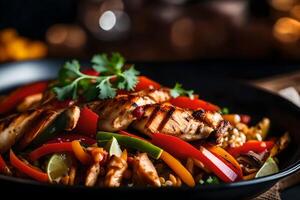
(109, 126)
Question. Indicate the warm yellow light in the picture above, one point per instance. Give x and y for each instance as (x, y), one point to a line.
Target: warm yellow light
(282, 5)
(68, 35)
(287, 30)
(295, 12)
(57, 34)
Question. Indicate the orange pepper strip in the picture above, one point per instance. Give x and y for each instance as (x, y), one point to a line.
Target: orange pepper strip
(124, 155)
(178, 168)
(250, 176)
(80, 154)
(224, 154)
(26, 169)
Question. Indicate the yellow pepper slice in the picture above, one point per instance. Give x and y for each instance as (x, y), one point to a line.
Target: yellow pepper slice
(178, 168)
(80, 154)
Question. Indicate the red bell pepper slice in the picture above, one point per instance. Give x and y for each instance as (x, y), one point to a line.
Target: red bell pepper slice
(16, 97)
(222, 153)
(87, 123)
(184, 150)
(255, 146)
(194, 104)
(90, 72)
(69, 137)
(245, 119)
(145, 83)
(3, 166)
(50, 148)
(27, 169)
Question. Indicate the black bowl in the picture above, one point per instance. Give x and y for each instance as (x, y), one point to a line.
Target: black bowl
(238, 97)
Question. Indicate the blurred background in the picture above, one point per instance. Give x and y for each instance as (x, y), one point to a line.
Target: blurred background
(156, 30)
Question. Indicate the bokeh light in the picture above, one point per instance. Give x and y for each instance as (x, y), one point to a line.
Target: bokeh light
(107, 20)
(182, 32)
(283, 5)
(287, 30)
(295, 12)
(68, 35)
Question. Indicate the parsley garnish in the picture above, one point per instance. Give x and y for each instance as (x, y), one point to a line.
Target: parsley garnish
(72, 82)
(178, 90)
(210, 180)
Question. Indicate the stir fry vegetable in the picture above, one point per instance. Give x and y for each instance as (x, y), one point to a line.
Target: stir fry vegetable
(27, 169)
(131, 142)
(108, 126)
(13, 99)
(186, 102)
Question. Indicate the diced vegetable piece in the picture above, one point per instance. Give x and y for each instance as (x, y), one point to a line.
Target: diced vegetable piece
(145, 83)
(58, 166)
(27, 169)
(184, 150)
(264, 126)
(113, 147)
(131, 142)
(232, 118)
(87, 123)
(178, 168)
(14, 98)
(245, 119)
(194, 104)
(268, 168)
(80, 154)
(252, 145)
(50, 148)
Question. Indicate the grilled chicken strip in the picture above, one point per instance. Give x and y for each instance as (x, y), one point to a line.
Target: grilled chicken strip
(67, 117)
(116, 114)
(144, 171)
(25, 127)
(185, 124)
(12, 128)
(93, 171)
(115, 170)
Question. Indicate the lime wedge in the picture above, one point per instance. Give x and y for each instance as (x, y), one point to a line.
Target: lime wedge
(58, 166)
(113, 147)
(268, 168)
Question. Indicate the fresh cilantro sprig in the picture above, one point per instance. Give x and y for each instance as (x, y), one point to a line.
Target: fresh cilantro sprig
(178, 90)
(72, 82)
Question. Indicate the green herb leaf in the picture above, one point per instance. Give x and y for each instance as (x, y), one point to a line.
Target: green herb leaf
(113, 65)
(106, 90)
(100, 63)
(130, 79)
(212, 180)
(178, 90)
(68, 72)
(73, 83)
(224, 111)
(66, 92)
